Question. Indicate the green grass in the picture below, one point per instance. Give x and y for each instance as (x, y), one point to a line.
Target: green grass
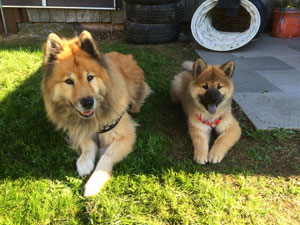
(258, 182)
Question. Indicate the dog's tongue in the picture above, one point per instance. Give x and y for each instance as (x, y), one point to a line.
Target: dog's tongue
(87, 113)
(212, 108)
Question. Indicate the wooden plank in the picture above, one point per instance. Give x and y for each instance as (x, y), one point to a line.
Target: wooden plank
(16, 15)
(33, 15)
(13, 16)
(95, 16)
(70, 15)
(117, 16)
(1, 25)
(57, 15)
(11, 19)
(105, 16)
(44, 15)
(23, 15)
(83, 15)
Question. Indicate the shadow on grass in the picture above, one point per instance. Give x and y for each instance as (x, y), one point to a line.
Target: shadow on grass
(31, 147)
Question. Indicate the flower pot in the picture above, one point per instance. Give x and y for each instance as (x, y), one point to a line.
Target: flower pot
(286, 23)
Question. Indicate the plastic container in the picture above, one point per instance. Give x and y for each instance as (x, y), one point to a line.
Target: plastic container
(286, 23)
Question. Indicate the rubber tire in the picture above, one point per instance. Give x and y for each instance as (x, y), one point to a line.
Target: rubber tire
(151, 2)
(262, 9)
(154, 14)
(139, 33)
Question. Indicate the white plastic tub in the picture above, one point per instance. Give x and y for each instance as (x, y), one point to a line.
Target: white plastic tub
(207, 36)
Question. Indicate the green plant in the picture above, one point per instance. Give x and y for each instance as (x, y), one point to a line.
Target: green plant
(283, 134)
(283, 4)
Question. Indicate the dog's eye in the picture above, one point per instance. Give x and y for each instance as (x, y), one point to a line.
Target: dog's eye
(205, 86)
(219, 86)
(90, 77)
(69, 81)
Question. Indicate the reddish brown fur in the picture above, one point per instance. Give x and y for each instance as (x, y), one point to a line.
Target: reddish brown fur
(117, 81)
(187, 86)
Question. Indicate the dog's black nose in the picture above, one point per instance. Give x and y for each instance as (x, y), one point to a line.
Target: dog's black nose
(212, 96)
(87, 102)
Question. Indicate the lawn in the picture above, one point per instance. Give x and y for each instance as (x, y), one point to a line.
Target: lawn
(258, 182)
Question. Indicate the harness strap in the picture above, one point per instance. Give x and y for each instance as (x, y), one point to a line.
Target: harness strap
(216, 122)
(109, 126)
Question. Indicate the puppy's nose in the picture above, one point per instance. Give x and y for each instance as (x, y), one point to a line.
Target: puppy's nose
(215, 98)
(213, 95)
(87, 102)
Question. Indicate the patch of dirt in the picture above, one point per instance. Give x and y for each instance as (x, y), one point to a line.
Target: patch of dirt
(32, 33)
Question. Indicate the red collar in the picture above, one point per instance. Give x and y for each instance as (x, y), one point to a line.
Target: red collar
(216, 122)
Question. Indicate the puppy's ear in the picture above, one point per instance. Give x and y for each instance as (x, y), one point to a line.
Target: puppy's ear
(88, 44)
(228, 68)
(199, 66)
(52, 47)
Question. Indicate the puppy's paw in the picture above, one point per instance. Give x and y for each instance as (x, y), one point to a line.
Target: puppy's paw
(95, 183)
(215, 156)
(200, 157)
(84, 166)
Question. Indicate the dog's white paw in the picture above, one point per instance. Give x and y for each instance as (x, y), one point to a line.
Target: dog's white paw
(200, 158)
(215, 156)
(95, 183)
(84, 166)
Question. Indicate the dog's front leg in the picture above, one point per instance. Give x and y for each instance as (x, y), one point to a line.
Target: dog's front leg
(86, 162)
(224, 142)
(200, 139)
(115, 152)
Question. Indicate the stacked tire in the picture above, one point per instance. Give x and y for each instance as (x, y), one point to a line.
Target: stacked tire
(152, 21)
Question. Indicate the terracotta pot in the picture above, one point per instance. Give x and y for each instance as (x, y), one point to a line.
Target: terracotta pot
(286, 23)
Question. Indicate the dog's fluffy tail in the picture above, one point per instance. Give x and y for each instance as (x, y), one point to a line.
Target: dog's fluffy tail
(187, 66)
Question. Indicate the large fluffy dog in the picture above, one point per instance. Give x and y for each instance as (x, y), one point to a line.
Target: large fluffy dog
(88, 94)
(205, 93)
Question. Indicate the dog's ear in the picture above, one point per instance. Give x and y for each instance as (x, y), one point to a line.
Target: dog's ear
(88, 44)
(52, 47)
(199, 66)
(228, 68)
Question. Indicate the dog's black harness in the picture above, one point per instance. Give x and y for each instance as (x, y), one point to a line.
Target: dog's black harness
(109, 126)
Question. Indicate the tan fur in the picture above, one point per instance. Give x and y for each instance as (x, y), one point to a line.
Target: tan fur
(186, 88)
(117, 81)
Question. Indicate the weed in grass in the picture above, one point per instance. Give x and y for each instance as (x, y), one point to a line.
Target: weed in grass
(283, 134)
(259, 135)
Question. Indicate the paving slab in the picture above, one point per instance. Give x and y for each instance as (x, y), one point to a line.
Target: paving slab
(252, 82)
(266, 39)
(296, 48)
(271, 110)
(258, 51)
(213, 58)
(286, 80)
(293, 61)
(262, 63)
